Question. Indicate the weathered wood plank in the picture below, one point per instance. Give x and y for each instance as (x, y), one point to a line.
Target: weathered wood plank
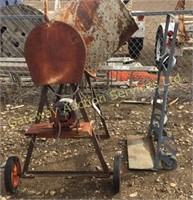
(131, 67)
(11, 59)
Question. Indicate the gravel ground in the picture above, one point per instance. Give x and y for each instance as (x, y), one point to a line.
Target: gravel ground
(122, 120)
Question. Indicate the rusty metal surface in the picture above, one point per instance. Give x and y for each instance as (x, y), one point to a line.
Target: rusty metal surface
(46, 130)
(104, 25)
(55, 53)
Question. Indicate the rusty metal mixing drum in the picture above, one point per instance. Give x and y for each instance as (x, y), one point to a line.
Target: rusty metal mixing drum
(105, 25)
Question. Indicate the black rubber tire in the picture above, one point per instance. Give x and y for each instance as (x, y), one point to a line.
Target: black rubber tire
(11, 161)
(117, 174)
(171, 165)
(126, 1)
(158, 44)
(135, 45)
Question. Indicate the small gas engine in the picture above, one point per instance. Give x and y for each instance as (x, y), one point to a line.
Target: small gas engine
(64, 114)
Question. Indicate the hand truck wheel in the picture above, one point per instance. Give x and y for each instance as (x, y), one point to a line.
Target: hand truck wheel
(117, 174)
(170, 164)
(12, 174)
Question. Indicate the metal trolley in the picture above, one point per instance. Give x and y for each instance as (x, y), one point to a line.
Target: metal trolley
(164, 153)
(157, 147)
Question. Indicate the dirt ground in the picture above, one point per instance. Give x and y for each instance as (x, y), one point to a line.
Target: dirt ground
(122, 120)
(68, 154)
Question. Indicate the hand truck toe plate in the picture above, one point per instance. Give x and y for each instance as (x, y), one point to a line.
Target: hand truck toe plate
(140, 152)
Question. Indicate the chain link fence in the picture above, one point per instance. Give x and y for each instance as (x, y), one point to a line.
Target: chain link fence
(16, 84)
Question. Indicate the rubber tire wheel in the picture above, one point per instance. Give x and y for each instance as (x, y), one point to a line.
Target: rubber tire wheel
(171, 165)
(9, 185)
(117, 174)
(135, 45)
(158, 44)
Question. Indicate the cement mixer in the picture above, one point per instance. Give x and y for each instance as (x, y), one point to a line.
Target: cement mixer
(59, 51)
